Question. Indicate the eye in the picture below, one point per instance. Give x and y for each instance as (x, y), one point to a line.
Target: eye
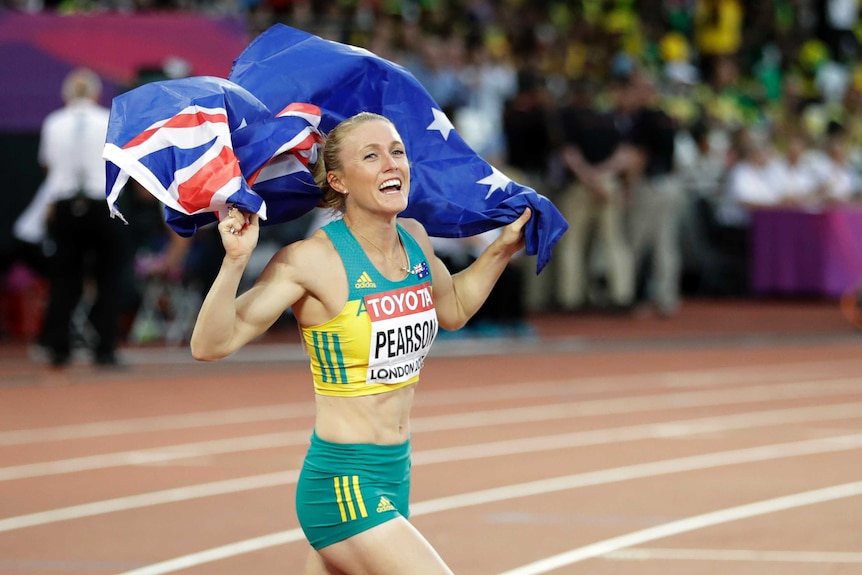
(398, 152)
(370, 156)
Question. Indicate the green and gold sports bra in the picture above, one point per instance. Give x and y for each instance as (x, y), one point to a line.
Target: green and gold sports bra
(379, 341)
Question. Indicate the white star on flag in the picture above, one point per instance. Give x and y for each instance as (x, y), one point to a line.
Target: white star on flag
(496, 181)
(441, 123)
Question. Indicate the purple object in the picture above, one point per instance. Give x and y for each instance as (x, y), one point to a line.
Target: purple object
(806, 253)
(38, 50)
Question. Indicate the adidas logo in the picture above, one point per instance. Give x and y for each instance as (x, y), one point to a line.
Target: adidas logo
(364, 281)
(385, 505)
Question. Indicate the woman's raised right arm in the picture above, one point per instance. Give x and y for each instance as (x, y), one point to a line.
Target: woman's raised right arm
(226, 322)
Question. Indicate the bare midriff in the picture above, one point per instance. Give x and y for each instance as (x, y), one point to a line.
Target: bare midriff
(381, 419)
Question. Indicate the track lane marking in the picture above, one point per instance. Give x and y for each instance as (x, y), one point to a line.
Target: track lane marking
(441, 455)
(689, 524)
(540, 487)
(433, 423)
(585, 386)
(745, 555)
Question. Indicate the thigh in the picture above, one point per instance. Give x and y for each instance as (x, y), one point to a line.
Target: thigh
(392, 548)
(317, 565)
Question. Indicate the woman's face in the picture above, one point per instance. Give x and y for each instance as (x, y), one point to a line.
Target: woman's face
(376, 173)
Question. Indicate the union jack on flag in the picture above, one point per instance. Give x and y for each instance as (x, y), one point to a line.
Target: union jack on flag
(209, 144)
(199, 144)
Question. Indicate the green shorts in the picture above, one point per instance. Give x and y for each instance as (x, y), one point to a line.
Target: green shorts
(347, 488)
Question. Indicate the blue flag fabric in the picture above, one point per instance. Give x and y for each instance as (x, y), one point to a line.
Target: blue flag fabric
(200, 144)
(453, 191)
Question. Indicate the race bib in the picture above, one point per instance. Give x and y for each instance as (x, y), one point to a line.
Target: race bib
(403, 327)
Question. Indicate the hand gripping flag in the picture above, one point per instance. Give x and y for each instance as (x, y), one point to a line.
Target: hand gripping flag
(200, 144)
(453, 191)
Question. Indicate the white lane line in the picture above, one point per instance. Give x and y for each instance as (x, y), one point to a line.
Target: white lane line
(540, 487)
(174, 495)
(745, 555)
(501, 417)
(443, 455)
(154, 455)
(690, 524)
(639, 404)
(189, 420)
(581, 386)
(666, 429)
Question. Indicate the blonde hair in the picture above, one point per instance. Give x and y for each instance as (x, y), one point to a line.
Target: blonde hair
(329, 159)
(81, 83)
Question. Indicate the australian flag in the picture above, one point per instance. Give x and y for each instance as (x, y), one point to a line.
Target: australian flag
(200, 144)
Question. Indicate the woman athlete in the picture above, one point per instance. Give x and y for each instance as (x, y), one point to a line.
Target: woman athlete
(369, 294)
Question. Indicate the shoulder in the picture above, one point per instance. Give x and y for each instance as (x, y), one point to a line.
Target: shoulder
(311, 254)
(415, 229)
(312, 264)
(417, 232)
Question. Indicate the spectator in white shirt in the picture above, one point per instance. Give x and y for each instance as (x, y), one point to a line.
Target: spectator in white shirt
(803, 173)
(88, 242)
(839, 180)
(756, 180)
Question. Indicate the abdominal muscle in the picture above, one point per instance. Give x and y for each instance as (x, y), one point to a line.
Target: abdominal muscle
(381, 419)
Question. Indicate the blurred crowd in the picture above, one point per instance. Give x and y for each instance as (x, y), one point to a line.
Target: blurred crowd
(656, 126)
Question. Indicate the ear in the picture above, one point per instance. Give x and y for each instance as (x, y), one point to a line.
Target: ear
(335, 183)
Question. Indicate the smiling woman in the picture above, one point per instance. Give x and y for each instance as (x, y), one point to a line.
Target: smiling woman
(369, 295)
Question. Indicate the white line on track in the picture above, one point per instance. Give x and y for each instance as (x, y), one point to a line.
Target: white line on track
(174, 495)
(745, 555)
(540, 487)
(572, 387)
(447, 455)
(690, 524)
(450, 422)
(159, 423)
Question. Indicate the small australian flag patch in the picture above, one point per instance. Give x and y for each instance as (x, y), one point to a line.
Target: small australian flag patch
(420, 270)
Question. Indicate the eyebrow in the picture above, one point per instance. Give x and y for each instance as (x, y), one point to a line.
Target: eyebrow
(375, 146)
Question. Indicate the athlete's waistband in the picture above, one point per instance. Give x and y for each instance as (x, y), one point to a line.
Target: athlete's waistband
(370, 458)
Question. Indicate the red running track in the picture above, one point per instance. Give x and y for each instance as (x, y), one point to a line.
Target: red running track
(728, 439)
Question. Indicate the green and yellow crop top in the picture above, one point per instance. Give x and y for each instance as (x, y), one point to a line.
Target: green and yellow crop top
(379, 341)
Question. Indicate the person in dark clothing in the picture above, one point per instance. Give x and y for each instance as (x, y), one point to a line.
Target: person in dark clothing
(526, 127)
(592, 203)
(645, 160)
(88, 242)
(656, 199)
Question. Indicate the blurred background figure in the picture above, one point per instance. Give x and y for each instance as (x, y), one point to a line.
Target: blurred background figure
(755, 180)
(592, 203)
(718, 27)
(701, 159)
(802, 172)
(529, 147)
(656, 198)
(87, 244)
(840, 182)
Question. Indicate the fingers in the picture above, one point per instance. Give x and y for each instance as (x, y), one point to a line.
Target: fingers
(514, 236)
(522, 220)
(237, 220)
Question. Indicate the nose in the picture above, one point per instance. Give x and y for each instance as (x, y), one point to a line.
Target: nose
(392, 161)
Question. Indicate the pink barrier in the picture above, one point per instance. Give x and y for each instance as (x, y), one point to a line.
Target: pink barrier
(806, 253)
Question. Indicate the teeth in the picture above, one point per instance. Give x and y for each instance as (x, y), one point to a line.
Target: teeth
(390, 183)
